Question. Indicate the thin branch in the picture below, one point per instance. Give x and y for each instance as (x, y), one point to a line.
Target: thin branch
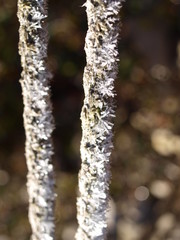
(38, 120)
(97, 117)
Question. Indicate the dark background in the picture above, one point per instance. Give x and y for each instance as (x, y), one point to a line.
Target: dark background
(145, 188)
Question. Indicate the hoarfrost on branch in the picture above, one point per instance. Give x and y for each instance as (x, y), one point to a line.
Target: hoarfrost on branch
(97, 117)
(38, 120)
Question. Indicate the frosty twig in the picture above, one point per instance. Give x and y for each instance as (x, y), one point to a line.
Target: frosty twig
(38, 120)
(97, 117)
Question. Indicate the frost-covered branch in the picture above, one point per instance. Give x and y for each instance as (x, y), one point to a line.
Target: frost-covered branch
(38, 120)
(97, 117)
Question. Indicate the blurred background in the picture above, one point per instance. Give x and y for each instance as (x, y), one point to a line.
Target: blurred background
(145, 187)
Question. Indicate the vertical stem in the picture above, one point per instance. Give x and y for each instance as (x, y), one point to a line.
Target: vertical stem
(97, 117)
(38, 120)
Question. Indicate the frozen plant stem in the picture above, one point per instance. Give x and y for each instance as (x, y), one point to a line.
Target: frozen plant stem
(97, 117)
(38, 120)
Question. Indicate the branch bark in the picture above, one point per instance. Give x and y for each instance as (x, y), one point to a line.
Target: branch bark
(97, 117)
(38, 120)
